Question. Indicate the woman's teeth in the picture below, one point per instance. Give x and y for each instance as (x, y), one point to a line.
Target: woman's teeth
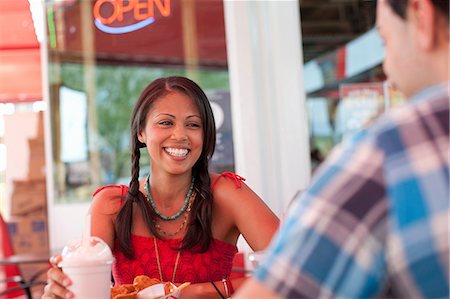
(176, 151)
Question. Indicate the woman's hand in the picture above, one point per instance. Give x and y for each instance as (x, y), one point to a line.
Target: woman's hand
(57, 281)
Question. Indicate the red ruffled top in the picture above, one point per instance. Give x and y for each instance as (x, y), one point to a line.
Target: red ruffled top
(195, 267)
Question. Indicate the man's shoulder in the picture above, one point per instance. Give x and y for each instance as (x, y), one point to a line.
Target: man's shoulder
(420, 119)
(415, 110)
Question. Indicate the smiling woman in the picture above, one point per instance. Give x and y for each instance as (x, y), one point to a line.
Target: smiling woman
(181, 222)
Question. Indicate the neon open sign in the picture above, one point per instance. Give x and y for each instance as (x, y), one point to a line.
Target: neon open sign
(123, 16)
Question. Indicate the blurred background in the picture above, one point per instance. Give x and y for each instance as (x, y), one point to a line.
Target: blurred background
(287, 81)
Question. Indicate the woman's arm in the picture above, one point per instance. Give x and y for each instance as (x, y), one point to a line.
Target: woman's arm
(242, 211)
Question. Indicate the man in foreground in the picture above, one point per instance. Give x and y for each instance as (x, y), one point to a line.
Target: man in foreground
(375, 220)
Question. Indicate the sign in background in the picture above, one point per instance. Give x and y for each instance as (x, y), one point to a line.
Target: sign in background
(360, 103)
(223, 158)
(120, 17)
(158, 43)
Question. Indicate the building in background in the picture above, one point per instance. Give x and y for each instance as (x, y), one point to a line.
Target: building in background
(344, 82)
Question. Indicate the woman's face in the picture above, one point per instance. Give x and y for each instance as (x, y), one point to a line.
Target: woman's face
(173, 134)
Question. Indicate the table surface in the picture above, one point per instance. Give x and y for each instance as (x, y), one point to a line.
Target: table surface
(28, 258)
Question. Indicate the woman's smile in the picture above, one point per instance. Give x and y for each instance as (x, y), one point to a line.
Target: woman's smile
(177, 152)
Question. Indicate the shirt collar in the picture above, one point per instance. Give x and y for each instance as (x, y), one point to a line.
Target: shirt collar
(431, 91)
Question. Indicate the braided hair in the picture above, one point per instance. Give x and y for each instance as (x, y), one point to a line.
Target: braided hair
(198, 234)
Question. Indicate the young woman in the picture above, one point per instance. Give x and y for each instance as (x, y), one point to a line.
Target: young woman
(181, 222)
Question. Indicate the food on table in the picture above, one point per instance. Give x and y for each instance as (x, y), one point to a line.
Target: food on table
(123, 291)
(129, 291)
(143, 281)
(131, 295)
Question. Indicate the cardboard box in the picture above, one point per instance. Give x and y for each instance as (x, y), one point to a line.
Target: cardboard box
(28, 196)
(36, 162)
(36, 143)
(36, 169)
(29, 235)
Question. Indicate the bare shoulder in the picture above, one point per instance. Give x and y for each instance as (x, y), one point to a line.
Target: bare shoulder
(233, 200)
(228, 188)
(105, 205)
(107, 200)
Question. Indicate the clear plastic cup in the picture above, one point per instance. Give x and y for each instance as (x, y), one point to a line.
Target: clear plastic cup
(88, 265)
(254, 260)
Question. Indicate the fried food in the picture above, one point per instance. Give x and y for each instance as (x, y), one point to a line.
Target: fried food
(121, 290)
(140, 282)
(143, 281)
(131, 295)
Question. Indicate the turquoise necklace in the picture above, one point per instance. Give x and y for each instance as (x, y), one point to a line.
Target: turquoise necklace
(152, 203)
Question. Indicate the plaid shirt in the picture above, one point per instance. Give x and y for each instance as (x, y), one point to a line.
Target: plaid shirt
(375, 220)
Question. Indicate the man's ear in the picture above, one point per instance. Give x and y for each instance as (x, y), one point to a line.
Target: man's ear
(422, 16)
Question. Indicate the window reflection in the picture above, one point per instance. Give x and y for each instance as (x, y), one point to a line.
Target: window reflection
(97, 75)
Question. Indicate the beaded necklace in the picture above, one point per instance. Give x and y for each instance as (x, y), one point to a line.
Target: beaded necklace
(186, 215)
(152, 203)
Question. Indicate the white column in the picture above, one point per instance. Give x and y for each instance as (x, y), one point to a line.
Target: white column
(270, 134)
(65, 221)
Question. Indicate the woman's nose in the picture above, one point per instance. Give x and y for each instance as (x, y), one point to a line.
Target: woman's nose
(179, 132)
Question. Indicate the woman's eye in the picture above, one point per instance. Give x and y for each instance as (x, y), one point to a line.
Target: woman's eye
(165, 123)
(195, 125)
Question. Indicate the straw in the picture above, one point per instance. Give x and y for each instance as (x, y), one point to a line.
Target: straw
(86, 235)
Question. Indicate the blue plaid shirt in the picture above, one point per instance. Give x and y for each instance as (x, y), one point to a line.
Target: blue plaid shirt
(375, 220)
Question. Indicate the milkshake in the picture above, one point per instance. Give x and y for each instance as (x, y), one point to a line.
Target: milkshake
(88, 265)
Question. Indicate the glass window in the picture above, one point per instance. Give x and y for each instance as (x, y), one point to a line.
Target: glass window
(102, 54)
(344, 82)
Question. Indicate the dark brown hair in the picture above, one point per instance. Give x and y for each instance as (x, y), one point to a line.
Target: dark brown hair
(399, 7)
(198, 235)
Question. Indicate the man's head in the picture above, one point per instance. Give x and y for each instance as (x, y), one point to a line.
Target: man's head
(416, 36)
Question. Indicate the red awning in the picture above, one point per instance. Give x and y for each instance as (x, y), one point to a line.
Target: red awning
(20, 62)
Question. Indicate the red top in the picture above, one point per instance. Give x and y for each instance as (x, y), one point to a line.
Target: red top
(214, 264)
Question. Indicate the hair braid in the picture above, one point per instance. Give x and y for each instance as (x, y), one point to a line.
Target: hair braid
(199, 234)
(124, 221)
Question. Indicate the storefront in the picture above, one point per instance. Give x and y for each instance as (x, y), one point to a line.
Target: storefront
(247, 56)
(101, 54)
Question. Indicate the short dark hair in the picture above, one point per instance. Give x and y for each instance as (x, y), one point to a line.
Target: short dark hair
(399, 7)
